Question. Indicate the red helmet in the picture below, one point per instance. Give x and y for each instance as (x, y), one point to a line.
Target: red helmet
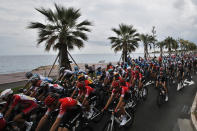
(137, 67)
(51, 99)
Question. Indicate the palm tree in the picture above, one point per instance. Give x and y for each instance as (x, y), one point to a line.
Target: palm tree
(126, 40)
(154, 40)
(191, 46)
(182, 44)
(61, 31)
(175, 46)
(169, 43)
(161, 45)
(146, 39)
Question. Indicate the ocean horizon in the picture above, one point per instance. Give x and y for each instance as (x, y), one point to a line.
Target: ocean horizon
(23, 63)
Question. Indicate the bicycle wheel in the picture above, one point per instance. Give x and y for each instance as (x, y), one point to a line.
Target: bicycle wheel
(144, 93)
(131, 121)
(98, 116)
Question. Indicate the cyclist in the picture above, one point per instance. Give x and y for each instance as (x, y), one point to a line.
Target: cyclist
(40, 89)
(68, 109)
(161, 79)
(121, 91)
(180, 75)
(65, 74)
(13, 100)
(84, 91)
(30, 75)
(116, 80)
(137, 79)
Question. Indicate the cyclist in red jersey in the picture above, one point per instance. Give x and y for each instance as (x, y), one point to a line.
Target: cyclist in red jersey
(83, 88)
(28, 103)
(68, 109)
(84, 93)
(122, 91)
(116, 80)
(138, 77)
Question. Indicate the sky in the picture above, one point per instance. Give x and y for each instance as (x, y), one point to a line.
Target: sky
(176, 18)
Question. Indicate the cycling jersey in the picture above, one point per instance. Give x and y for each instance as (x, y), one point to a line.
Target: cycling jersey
(38, 84)
(115, 83)
(68, 73)
(2, 122)
(47, 79)
(28, 102)
(66, 103)
(87, 91)
(123, 90)
(181, 70)
(55, 87)
(139, 75)
(42, 78)
(161, 78)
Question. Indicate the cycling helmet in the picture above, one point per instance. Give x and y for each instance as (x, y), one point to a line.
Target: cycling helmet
(51, 99)
(86, 76)
(137, 67)
(76, 68)
(62, 69)
(34, 80)
(110, 70)
(28, 75)
(81, 77)
(86, 65)
(116, 75)
(6, 93)
(128, 68)
(99, 68)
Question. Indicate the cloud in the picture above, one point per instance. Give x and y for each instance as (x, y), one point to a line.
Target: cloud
(176, 18)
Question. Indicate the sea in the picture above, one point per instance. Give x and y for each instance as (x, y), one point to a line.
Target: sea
(22, 63)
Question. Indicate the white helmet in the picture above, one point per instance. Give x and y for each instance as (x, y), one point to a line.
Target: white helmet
(128, 68)
(6, 93)
(86, 76)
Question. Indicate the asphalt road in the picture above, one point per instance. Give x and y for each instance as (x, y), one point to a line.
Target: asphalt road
(149, 117)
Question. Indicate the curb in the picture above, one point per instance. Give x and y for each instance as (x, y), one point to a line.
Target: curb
(193, 110)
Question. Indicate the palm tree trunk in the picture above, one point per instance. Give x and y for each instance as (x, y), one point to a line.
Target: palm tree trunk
(124, 52)
(161, 52)
(145, 51)
(63, 58)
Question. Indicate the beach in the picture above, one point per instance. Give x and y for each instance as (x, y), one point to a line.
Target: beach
(43, 70)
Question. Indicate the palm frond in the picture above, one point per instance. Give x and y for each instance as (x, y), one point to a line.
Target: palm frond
(38, 25)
